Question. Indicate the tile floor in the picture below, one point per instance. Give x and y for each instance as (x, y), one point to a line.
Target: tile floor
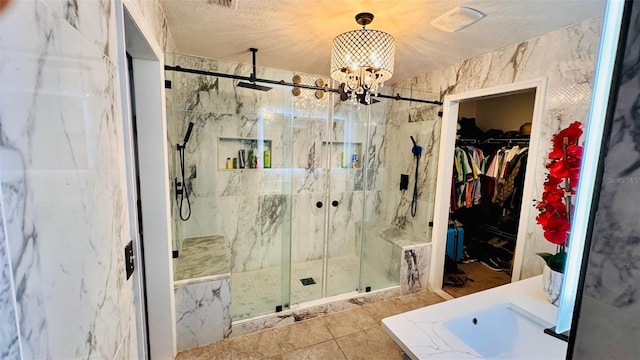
(483, 279)
(258, 292)
(350, 334)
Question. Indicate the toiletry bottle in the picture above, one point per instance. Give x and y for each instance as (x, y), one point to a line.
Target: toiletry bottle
(251, 159)
(354, 160)
(343, 162)
(242, 161)
(267, 159)
(229, 164)
(257, 162)
(235, 163)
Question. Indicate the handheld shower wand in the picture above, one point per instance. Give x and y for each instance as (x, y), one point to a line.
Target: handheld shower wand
(417, 152)
(188, 134)
(417, 149)
(182, 192)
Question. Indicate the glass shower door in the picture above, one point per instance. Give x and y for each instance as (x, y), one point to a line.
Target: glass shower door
(344, 155)
(308, 195)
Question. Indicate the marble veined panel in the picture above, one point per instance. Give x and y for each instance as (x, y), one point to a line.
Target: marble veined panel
(345, 221)
(202, 313)
(63, 185)
(308, 227)
(613, 272)
(414, 268)
(9, 343)
(255, 227)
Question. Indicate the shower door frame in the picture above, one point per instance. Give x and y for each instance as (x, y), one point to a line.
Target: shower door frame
(445, 169)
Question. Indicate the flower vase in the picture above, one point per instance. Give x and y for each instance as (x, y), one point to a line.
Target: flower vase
(552, 284)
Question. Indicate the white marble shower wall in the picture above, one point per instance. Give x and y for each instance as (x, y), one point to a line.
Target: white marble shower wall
(565, 57)
(256, 209)
(249, 206)
(421, 121)
(63, 292)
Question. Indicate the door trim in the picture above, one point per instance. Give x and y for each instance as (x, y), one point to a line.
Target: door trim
(134, 35)
(445, 171)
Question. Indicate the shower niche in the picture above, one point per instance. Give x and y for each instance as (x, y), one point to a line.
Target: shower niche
(235, 153)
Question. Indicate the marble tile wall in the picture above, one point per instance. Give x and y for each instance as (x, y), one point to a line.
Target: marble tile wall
(565, 57)
(609, 319)
(414, 268)
(202, 312)
(63, 189)
(9, 342)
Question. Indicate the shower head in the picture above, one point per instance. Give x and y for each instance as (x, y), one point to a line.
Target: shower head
(253, 86)
(188, 134)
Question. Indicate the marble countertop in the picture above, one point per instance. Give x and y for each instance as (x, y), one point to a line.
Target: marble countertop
(421, 333)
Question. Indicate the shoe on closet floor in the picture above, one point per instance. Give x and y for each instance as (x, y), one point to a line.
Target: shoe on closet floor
(492, 264)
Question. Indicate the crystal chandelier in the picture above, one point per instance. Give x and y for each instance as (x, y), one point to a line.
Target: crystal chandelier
(363, 59)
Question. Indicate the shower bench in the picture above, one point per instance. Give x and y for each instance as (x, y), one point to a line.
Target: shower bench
(403, 257)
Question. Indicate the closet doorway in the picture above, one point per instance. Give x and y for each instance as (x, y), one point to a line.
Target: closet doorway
(484, 187)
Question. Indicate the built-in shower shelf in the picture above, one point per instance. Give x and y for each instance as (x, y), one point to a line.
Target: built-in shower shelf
(339, 149)
(342, 142)
(229, 148)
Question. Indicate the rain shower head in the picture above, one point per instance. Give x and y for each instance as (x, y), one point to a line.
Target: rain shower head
(253, 86)
(188, 134)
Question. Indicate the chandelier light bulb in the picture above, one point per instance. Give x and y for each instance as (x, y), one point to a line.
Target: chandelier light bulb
(363, 59)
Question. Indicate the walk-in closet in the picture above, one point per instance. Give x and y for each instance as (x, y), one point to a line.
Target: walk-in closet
(489, 171)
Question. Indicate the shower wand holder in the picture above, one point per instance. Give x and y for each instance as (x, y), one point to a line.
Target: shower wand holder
(417, 150)
(179, 188)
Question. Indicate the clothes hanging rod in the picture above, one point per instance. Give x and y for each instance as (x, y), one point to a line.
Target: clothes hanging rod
(252, 78)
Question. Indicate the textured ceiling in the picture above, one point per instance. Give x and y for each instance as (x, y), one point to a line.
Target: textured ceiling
(296, 35)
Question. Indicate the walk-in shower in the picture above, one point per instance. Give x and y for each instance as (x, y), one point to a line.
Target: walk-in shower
(303, 221)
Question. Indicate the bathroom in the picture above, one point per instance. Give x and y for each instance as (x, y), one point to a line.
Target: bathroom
(69, 207)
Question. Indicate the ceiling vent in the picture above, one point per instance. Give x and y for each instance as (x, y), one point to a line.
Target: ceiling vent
(225, 3)
(457, 19)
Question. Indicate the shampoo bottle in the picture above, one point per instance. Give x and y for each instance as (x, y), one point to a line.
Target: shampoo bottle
(267, 159)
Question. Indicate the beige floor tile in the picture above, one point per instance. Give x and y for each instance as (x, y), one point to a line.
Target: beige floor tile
(259, 345)
(382, 309)
(371, 344)
(348, 322)
(420, 299)
(303, 334)
(217, 351)
(328, 350)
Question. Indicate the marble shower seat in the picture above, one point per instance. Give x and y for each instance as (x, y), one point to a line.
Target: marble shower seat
(203, 256)
(202, 291)
(402, 256)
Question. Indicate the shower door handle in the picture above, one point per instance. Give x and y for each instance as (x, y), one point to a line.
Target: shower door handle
(334, 203)
(319, 204)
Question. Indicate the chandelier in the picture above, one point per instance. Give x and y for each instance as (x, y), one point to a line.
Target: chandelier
(363, 59)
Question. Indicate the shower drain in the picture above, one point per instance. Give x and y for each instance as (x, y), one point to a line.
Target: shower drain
(307, 281)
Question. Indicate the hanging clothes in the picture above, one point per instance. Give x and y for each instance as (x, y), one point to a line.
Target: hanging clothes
(478, 178)
(469, 165)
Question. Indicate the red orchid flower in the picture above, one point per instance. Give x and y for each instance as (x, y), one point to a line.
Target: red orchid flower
(566, 157)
